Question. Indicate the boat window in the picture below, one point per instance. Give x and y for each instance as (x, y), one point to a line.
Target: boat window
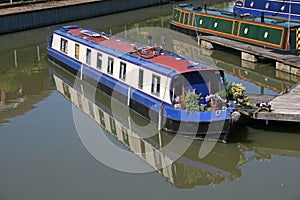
(251, 3)
(122, 74)
(141, 79)
(113, 127)
(79, 101)
(181, 20)
(88, 56)
(125, 136)
(215, 24)
(178, 86)
(200, 21)
(64, 45)
(101, 116)
(186, 18)
(110, 66)
(77, 51)
(66, 90)
(267, 5)
(143, 149)
(266, 34)
(155, 88)
(91, 109)
(203, 82)
(282, 8)
(99, 60)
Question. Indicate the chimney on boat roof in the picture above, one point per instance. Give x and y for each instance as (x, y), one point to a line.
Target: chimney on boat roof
(262, 17)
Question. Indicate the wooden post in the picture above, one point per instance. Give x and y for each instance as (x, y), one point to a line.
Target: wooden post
(38, 53)
(3, 97)
(16, 60)
(282, 67)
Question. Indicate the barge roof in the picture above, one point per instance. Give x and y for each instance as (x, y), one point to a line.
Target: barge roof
(165, 62)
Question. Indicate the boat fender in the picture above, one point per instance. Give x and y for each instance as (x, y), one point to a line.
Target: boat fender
(235, 116)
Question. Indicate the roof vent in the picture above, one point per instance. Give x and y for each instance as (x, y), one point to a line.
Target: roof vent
(90, 33)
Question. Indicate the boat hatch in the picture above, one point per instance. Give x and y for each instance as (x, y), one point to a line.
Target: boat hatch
(90, 33)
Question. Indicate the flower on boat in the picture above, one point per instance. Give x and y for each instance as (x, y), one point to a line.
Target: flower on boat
(215, 98)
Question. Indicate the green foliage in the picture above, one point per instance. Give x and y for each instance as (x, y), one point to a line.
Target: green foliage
(236, 93)
(236, 90)
(192, 101)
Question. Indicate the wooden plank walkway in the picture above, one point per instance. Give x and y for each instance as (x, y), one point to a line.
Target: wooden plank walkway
(288, 62)
(285, 107)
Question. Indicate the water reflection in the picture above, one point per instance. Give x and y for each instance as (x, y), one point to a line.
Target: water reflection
(24, 80)
(223, 163)
(188, 171)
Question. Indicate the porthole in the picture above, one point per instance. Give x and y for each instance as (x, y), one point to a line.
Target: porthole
(282, 8)
(246, 31)
(200, 21)
(267, 5)
(252, 4)
(216, 24)
(266, 34)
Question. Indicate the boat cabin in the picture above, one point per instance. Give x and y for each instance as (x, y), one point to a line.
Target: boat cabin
(150, 70)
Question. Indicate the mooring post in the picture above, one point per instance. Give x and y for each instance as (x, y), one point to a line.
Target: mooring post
(248, 57)
(16, 59)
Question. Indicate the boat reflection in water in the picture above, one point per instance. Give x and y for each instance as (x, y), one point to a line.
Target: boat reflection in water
(223, 163)
(182, 169)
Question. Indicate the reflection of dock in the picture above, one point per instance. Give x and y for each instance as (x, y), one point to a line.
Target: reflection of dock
(257, 78)
(285, 107)
(245, 73)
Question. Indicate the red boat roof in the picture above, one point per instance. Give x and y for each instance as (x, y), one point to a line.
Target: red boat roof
(168, 60)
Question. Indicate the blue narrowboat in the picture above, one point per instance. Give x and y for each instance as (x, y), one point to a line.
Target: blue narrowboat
(289, 9)
(157, 84)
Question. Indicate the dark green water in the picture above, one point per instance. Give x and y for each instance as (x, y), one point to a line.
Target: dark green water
(45, 155)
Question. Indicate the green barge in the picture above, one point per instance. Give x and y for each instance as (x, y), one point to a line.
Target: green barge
(262, 31)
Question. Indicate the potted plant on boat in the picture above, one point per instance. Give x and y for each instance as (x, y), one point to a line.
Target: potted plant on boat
(192, 101)
(215, 101)
(236, 94)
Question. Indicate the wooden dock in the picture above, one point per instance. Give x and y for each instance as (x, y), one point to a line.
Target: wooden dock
(285, 107)
(285, 61)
